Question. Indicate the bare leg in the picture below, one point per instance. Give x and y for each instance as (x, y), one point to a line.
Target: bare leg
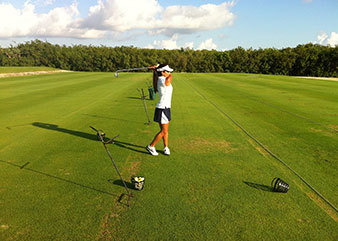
(162, 134)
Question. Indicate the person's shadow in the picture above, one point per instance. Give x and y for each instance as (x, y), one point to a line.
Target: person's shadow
(88, 136)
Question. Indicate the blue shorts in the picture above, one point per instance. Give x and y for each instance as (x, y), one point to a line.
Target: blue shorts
(162, 116)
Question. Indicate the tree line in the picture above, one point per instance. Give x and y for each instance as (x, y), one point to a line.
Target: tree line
(303, 60)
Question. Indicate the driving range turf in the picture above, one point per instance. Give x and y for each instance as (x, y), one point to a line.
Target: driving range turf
(58, 183)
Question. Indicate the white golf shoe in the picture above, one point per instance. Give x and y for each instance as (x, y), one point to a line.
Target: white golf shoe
(152, 150)
(166, 151)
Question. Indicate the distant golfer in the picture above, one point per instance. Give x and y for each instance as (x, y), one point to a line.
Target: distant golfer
(162, 79)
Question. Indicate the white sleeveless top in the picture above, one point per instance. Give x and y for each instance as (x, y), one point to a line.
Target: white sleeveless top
(165, 93)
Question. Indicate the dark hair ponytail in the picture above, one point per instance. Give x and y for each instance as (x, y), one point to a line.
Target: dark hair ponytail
(156, 74)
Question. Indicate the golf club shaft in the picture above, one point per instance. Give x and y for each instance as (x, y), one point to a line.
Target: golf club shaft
(132, 69)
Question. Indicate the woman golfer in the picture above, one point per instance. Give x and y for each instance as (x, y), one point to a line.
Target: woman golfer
(162, 83)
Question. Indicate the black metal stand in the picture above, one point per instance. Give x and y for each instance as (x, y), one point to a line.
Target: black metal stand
(143, 97)
(111, 141)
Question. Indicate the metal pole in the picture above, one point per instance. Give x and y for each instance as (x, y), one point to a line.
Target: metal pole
(111, 158)
(144, 104)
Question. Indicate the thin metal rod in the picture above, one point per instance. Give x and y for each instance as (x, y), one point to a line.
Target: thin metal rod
(143, 97)
(111, 158)
(117, 170)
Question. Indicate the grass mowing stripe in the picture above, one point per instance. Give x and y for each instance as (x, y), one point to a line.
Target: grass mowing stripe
(91, 84)
(274, 83)
(257, 98)
(266, 149)
(38, 83)
(73, 83)
(296, 115)
(279, 108)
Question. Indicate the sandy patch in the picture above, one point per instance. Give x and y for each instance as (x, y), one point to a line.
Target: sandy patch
(323, 78)
(259, 148)
(32, 73)
(334, 127)
(323, 205)
(4, 226)
(323, 132)
(133, 168)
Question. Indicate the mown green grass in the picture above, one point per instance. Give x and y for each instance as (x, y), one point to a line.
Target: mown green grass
(57, 182)
(19, 69)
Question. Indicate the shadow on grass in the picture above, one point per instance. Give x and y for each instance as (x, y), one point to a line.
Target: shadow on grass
(139, 98)
(111, 118)
(130, 146)
(135, 98)
(259, 186)
(23, 167)
(88, 136)
(120, 183)
(67, 131)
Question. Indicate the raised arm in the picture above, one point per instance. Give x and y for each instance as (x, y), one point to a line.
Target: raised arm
(168, 80)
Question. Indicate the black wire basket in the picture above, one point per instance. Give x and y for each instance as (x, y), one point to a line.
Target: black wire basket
(278, 185)
(138, 182)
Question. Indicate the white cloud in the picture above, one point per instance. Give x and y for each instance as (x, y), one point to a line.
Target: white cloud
(112, 17)
(189, 45)
(207, 44)
(122, 15)
(170, 44)
(191, 19)
(324, 39)
(321, 37)
(58, 22)
(48, 2)
(165, 44)
(333, 40)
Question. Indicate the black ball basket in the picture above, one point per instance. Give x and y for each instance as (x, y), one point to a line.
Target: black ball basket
(278, 185)
(138, 182)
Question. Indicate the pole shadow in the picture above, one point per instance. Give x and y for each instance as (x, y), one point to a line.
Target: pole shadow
(138, 98)
(259, 186)
(120, 183)
(88, 136)
(135, 98)
(111, 118)
(23, 167)
(129, 146)
(67, 131)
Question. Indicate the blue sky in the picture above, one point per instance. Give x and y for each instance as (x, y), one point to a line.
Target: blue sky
(170, 24)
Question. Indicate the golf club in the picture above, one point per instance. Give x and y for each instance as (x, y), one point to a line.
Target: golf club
(132, 69)
(143, 98)
(111, 141)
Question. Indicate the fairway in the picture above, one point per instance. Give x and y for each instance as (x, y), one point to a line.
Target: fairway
(58, 183)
